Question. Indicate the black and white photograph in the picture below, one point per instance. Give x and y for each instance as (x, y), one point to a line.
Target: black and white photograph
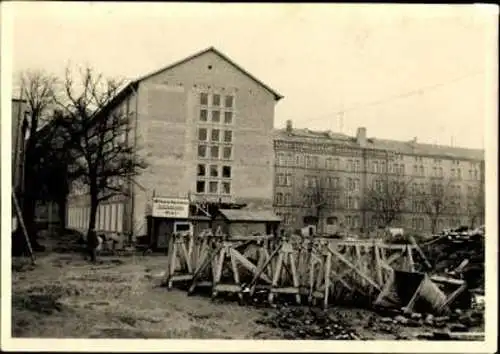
(267, 175)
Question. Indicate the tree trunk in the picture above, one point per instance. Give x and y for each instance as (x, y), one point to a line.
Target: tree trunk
(94, 203)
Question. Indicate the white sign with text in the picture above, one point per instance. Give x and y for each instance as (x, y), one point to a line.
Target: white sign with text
(170, 207)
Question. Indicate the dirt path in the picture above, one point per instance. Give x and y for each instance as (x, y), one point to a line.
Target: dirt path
(66, 297)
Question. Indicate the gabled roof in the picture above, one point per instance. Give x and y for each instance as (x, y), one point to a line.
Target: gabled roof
(131, 86)
(277, 96)
(249, 215)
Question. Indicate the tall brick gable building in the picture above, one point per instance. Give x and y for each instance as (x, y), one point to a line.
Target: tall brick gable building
(205, 126)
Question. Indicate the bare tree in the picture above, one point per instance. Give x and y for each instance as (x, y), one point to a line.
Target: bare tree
(436, 200)
(38, 89)
(319, 194)
(55, 155)
(475, 206)
(105, 159)
(385, 198)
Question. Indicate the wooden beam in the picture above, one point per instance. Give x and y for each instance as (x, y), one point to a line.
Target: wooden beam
(349, 264)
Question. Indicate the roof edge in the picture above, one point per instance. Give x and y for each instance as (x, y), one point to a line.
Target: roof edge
(276, 95)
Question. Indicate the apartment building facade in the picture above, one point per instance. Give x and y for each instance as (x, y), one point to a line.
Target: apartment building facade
(204, 125)
(327, 179)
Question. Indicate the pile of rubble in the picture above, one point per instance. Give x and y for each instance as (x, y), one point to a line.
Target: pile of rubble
(309, 323)
(446, 255)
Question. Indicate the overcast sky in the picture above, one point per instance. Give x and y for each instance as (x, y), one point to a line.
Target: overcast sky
(400, 71)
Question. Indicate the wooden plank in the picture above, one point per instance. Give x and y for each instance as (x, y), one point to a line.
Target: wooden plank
(411, 264)
(285, 290)
(452, 297)
(349, 264)
(249, 265)
(227, 288)
(180, 277)
(187, 258)
(377, 264)
(328, 266)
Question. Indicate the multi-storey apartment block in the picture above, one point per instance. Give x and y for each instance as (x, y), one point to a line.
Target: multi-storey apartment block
(325, 178)
(204, 126)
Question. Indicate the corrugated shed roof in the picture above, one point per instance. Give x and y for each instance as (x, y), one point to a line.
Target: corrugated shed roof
(249, 215)
(404, 147)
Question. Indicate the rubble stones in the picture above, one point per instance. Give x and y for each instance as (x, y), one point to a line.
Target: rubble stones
(309, 323)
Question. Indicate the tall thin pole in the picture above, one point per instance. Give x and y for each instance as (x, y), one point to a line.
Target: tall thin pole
(23, 226)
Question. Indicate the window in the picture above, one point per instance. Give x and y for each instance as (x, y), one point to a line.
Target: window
(308, 161)
(279, 198)
(203, 115)
(349, 165)
(422, 172)
(229, 102)
(288, 199)
(216, 116)
(298, 161)
(202, 151)
(288, 179)
(227, 152)
(214, 171)
(228, 117)
(280, 159)
(349, 202)
(203, 99)
(200, 187)
(328, 163)
(215, 134)
(356, 203)
(214, 152)
(228, 136)
(440, 172)
(315, 161)
(212, 187)
(375, 166)
(226, 187)
(216, 100)
(459, 173)
(202, 134)
(201, 170)
(356, 185)
(357, 166)
(382, 166)
(226, 171)
(349, 184)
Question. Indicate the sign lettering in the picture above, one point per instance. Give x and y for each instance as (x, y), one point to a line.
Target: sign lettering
(170, 207)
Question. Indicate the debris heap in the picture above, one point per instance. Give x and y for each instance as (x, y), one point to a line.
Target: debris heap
(309, 323)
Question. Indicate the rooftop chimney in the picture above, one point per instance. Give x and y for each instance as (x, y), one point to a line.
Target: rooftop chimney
(289, 126)
(361, 136)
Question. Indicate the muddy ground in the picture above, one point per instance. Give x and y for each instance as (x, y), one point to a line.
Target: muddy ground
(64, 296)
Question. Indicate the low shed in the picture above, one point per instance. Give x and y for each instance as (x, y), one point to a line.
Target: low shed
(241, 222)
